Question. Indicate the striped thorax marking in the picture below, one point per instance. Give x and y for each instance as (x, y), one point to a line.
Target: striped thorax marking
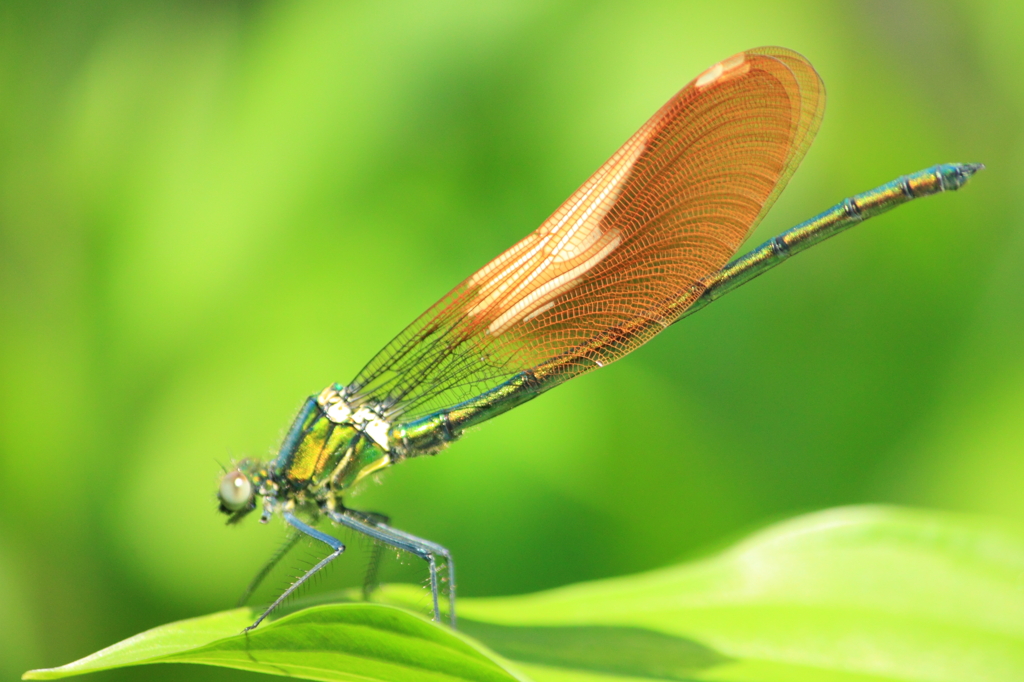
(364, 419)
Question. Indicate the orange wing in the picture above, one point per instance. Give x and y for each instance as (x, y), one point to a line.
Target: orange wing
(625, 255)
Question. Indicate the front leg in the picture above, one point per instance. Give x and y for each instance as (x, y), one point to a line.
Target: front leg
(272, 563)
(331, 542)
(424, 549)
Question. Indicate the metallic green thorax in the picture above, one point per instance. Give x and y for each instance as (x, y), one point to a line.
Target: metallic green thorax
(332, 446)
(334, 443)
(329, 448)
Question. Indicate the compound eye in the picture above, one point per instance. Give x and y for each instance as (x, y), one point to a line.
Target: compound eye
(235, 491)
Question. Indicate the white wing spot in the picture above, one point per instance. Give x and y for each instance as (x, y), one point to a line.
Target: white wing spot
(523, 282)
(550, 290)
(734, 66)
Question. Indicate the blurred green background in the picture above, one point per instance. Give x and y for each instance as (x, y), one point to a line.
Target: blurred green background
(209, 210)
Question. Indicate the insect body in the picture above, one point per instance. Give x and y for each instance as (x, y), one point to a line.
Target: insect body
(644, 242)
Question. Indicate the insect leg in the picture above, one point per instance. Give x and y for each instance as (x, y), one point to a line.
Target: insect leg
(424, 549)
(373, 566)
(332, 542)
(268, 567)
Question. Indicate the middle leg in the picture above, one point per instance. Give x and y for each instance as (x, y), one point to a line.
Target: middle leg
(424, 549)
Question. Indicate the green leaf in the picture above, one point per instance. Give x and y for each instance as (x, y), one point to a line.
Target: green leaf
(351, 642)
(631, 651)
(864, 594)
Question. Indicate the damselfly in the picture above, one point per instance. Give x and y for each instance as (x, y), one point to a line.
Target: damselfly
(643, 243)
